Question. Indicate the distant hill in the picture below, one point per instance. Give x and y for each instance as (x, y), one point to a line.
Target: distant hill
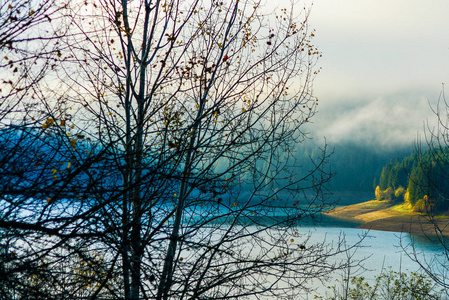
(357, 167)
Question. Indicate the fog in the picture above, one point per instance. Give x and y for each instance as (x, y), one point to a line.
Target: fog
(384, 121)
(383, 63)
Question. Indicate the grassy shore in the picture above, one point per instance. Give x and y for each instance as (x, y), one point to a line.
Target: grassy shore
(388, 216)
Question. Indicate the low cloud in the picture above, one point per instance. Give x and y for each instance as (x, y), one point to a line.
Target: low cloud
(383, 122)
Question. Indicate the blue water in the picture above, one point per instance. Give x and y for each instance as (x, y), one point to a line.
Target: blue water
(380, 250)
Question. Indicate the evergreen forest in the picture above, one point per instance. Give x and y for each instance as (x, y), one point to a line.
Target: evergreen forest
(420, 179)
(354, 166)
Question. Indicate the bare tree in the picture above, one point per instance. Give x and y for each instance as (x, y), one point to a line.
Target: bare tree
(28, 41)
(429, 180)
(29, 33)
(164, 162)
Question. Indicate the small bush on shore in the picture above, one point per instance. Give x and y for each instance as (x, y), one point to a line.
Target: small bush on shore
(388, 285)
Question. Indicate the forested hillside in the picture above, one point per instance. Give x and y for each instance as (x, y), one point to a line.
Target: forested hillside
(420, 179)
(356, 167)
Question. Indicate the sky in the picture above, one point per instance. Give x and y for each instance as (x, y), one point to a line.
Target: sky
(383, 62)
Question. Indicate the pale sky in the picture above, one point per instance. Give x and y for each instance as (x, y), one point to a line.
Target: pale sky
(382, 61)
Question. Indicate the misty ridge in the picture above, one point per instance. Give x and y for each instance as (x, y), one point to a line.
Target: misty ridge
(363, 133)
(355, 166)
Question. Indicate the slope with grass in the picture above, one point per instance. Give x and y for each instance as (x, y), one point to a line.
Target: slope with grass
(390, 216)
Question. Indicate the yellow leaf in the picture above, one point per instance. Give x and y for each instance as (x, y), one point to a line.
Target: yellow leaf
(31, 12)
(48, 123)
(54, 171)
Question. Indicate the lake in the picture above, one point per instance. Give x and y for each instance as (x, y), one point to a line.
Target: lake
(380, 249)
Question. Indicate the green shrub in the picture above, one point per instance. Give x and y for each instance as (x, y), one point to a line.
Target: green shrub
(388, 285)
(389, 193)
(399, 193)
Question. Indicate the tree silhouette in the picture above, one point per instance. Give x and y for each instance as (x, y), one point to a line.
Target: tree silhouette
(163, 164)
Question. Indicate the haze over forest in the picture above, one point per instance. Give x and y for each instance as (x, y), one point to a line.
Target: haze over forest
(384, 66)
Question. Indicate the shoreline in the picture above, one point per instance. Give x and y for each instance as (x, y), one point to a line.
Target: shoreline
(388, 216)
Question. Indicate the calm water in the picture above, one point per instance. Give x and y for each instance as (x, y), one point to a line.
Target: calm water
(380, 250)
